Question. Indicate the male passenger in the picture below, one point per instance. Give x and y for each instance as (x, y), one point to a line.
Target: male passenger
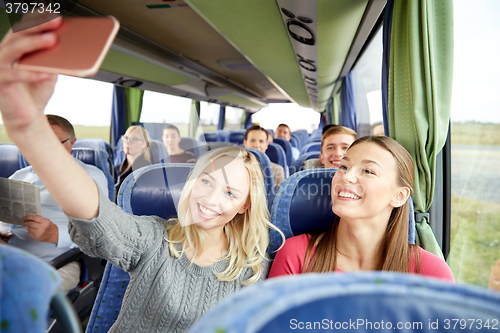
(256, 137)
(334, 144)
(46, 236)
(283, 131)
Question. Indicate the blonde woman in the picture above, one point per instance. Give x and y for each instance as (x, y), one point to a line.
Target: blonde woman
(137, 151)
(178, 271)
(370, 194)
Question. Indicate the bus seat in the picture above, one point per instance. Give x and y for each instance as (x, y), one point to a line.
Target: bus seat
(271, 131)
(277, 155)
(152, 190)
(217, 145)
(360, 302)
(11, 159)
(191, 145)
(315, 136)
(265, 164)
(223, 135)
(94, 143)
(294, 140)
(287, 147)
(27, 287)
(311, 146)
(299, 163)
(159, 153)
(236, 137)
(208, 137)
(99, 159)
(303, 205)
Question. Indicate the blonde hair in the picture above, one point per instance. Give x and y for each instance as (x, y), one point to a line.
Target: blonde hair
(337, 130)
(394, 253)
(247, 233)
(146, 136)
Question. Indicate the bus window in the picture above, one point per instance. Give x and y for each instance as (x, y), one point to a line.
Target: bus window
(295, 116)
(235, 118)
(475, 144)
(85, 103)
(167, 109)
(209, 116)
(366, 78)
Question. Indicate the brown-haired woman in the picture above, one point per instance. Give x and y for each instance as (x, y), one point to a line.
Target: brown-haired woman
(370, 198)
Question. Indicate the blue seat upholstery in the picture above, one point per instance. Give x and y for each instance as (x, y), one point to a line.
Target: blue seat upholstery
(287, 147)
(151, 190)
(277, 155)
(191, 145)
(353, 302)
(296, 141)
(311, 146)
(94, 143)
(11, 159)
(299, 163)
(27, 285)
(223, 135)
(154, 189)
(159, 153)
(99, 159)
(265, 164)
(209, 137)
(315, 136)
(303, 205)
(236, 137)
(271, 131)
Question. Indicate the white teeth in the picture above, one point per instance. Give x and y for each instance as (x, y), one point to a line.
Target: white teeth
(348, 195)
(207, 211)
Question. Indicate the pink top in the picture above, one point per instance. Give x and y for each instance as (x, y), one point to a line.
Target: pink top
(290, 260)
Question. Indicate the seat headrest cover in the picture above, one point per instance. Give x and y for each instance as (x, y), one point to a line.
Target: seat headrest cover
(154, 189)
(360, 301)
(9, 160)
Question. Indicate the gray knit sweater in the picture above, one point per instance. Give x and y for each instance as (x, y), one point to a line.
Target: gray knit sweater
(165, 294)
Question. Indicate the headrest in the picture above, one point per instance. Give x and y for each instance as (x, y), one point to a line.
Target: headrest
(357, 302)
(191, 145)
(303, 205)
(223, 136)
(27, 285)
(94, 143)
(287, 147)
(236, 137)
(277, 155)
(311, 146)
(10, 160)
(299, 163)
(159, 153)
(208, 137)
(86, 155)
(100, 159)
(154, 189)
(267, 170)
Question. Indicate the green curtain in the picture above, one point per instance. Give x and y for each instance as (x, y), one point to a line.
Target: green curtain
(420, 85)
(194, 118)
(336, 109)
(133, 99)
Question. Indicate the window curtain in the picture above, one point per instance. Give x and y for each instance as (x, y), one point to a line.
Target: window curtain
(386, 52)
(222, 117)
(118, 115)
(336, 109)
(419, 94)
(194, 119)
(348, 109)
(133, 99)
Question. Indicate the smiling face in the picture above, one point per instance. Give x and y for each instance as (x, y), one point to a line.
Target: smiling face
(257, 140)
(220, 192)
(334, 148)
(365, 186)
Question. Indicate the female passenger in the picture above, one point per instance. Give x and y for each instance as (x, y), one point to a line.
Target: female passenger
(179, 268)
(137, 151)
(369, 194)
(172, 139)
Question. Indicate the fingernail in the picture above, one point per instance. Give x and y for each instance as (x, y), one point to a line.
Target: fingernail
(48, 36)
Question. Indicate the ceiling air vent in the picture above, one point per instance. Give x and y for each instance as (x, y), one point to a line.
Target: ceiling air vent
(236, 64)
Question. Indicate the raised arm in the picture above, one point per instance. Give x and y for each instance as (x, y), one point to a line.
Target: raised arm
(23, 97)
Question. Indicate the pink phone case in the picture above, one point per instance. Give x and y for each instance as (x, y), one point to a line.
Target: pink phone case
(83, 44)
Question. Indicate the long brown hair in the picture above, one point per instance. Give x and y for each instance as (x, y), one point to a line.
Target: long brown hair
(394, 251)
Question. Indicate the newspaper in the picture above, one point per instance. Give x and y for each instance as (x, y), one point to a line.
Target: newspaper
(18, 199)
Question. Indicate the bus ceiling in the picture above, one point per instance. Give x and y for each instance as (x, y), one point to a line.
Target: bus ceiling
(239, 53)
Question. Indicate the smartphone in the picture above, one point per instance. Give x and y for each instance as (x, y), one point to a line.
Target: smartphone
(82, 45)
